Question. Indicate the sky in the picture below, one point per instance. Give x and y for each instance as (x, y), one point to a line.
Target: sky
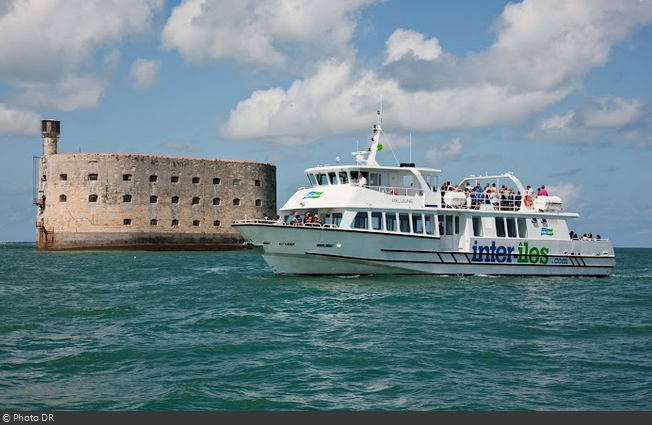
(557, 91)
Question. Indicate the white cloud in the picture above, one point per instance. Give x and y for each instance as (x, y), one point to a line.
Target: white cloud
(542, 51)
(144, 72)
(612, 112)
(410, 43)
(16, 121)
(444, 150)
(46, 43)
(258, 32)
(612, 118)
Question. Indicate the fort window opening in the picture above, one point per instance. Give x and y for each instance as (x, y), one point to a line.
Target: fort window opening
(127, 222)
(236, 202)
(216, 201)
(236, 182)
(92, 176)
(126, 177)
(175, 223)
(259, 202)
(153, 222)
(92, 198)
(153, 178)
(174, 179)
(195, 222)
(195, 200)
(216, 223)
(175, 199)
(63, 177)
(44, 178)
(195, 180)
(217, 181)
(257, 182)
(153, 199)
(62, 198)
(126, 198)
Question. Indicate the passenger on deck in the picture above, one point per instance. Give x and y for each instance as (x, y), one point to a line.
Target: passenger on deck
(361, 180)
(316, 220)
(296, 221)
(307, 218)
(543, 191)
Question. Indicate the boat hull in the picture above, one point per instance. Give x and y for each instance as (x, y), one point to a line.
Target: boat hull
(294, 250)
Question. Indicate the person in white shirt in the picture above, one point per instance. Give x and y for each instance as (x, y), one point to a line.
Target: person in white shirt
(361, 180)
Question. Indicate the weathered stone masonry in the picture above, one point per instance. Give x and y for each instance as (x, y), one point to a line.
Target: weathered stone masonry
(125, 201)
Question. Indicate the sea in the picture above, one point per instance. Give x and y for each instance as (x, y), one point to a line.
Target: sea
(218, 331)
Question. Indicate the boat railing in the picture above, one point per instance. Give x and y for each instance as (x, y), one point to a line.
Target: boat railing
(397, 191)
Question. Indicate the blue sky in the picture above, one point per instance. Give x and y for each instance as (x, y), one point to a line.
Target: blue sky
(559, 92)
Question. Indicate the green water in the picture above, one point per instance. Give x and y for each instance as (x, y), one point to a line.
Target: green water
(218, 331)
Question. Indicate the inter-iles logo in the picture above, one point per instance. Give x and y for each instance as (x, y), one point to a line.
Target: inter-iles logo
(507, 254)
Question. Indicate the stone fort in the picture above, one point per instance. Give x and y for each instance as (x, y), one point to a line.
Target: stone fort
(145, 202)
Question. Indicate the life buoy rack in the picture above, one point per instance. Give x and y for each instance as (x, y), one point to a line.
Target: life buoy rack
(527, 201)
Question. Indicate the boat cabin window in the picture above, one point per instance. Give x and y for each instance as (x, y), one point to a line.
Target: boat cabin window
(404, 223)
(390, 222)
(451, 224)
(313, 180)
(332, 177)
(344, 177)
(322, 179)
(477, 226)
(522, 228)
(374, 179)
(377, 220)
(500, 227)
(417, 223)
(361, 220)
(511, 227)
(431, 180)
(429, 224)
(337, 219)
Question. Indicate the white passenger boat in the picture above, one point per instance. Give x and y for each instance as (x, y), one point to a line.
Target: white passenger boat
(401, 223)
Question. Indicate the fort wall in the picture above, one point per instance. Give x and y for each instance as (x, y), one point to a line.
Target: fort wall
(125, 201)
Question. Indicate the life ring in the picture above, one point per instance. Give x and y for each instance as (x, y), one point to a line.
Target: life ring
(392, 192)
(527, 201)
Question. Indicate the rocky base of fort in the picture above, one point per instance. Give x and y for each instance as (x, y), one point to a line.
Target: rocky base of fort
(140, 242)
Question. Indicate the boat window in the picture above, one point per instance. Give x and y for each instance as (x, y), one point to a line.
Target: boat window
(390, 222)
(449, 224)
(404, 223)
(377, 220)
(361, 220)
(417, 223)
(430, 224)
(457, 224)
(332, 177)
(344, 178)
(322, 179)
(337, 219)
(511, 227)
(522, 228)
(477, 226)
(500, 227)
(374, 179)
(446, 224)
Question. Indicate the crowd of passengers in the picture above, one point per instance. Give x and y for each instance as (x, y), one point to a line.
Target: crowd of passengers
(309, 219)
(585, 237)
(505, 199)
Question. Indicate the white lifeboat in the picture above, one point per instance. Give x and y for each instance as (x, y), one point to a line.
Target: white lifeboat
(547, 203)
(455, 199)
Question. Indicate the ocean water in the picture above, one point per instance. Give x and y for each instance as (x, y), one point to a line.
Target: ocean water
(218, 331)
